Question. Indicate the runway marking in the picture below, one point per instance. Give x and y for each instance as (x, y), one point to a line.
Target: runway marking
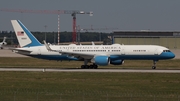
(89, 70)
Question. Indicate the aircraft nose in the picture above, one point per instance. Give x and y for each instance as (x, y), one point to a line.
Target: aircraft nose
(167, 55)
(172, 55)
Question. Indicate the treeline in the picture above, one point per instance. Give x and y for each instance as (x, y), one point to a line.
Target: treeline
(52, 37)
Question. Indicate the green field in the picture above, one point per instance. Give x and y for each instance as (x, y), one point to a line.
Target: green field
(68, 86)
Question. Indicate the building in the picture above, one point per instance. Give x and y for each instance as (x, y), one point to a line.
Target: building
(168, 39)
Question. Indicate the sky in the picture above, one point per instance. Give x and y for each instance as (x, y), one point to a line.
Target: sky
(126, 15)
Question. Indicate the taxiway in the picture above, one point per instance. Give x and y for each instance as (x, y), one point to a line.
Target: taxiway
(89, 70)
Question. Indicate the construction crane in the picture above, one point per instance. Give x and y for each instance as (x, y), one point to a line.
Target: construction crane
(72, 12)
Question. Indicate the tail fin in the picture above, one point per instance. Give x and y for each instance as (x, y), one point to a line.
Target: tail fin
(4, 40)
(24, 36)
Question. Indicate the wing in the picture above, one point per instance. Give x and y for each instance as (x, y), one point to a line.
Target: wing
(75, 54)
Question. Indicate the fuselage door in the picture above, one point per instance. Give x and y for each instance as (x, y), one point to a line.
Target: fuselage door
(156, 52)
(122, 52)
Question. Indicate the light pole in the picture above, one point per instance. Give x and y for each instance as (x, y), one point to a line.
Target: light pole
(45, 32)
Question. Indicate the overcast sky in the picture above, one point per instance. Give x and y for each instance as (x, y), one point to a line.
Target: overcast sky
(155, 15)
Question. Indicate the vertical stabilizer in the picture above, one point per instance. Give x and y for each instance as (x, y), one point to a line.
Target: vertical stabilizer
(24, 36)
(4, 40)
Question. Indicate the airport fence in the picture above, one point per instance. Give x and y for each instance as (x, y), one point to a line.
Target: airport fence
(31, 95)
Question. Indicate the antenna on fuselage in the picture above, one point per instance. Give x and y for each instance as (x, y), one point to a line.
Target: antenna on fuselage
(92, 43)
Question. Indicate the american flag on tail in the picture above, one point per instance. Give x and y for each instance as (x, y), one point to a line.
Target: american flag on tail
(20, 33)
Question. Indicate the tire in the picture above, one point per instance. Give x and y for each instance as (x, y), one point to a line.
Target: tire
(153, 67)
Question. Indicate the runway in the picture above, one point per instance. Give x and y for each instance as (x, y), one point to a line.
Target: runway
(89, 70)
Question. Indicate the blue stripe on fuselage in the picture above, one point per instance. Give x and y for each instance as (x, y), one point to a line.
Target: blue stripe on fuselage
(34, 41)
(162, 56)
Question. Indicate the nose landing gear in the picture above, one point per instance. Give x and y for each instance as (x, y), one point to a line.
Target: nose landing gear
(154, 64)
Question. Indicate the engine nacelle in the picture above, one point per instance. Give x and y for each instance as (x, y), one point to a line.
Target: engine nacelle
(101, 60)
(4, 43)
(117, 62)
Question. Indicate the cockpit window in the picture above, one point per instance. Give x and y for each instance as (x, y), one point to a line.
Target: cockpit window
(166, 51)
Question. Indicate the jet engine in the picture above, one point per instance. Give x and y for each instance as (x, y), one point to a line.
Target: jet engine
(4, 43)
(101, 60)
(117, 62)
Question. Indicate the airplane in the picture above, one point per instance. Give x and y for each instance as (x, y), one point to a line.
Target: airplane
(114, 54)
(30, 46)
(102, 55)
(3, 43)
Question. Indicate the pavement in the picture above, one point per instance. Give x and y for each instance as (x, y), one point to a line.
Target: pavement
(9, 53)
(89, 70)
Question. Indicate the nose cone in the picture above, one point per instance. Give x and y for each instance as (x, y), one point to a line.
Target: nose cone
(167, 55)
(171, 55)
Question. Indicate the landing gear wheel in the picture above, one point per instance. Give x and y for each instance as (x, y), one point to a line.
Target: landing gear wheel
(153, 67)
(95, 66)
(91, 67)
(86, 67)
(154, 64)
(82, 67)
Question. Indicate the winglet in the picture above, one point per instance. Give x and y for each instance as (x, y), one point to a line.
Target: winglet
(47, 46)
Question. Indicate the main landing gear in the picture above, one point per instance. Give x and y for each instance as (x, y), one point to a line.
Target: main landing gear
(93, 66)
(154, 64)
(85, 66)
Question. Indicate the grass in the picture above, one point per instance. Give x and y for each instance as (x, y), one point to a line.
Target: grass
(69, 86)
(90, 86)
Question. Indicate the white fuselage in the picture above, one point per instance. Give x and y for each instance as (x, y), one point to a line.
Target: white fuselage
(88, 51)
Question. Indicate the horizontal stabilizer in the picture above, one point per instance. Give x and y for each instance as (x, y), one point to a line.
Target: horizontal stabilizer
(19, 51)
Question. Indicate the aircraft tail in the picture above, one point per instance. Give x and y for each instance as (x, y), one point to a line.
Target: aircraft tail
(24, 36)
(4, 40)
